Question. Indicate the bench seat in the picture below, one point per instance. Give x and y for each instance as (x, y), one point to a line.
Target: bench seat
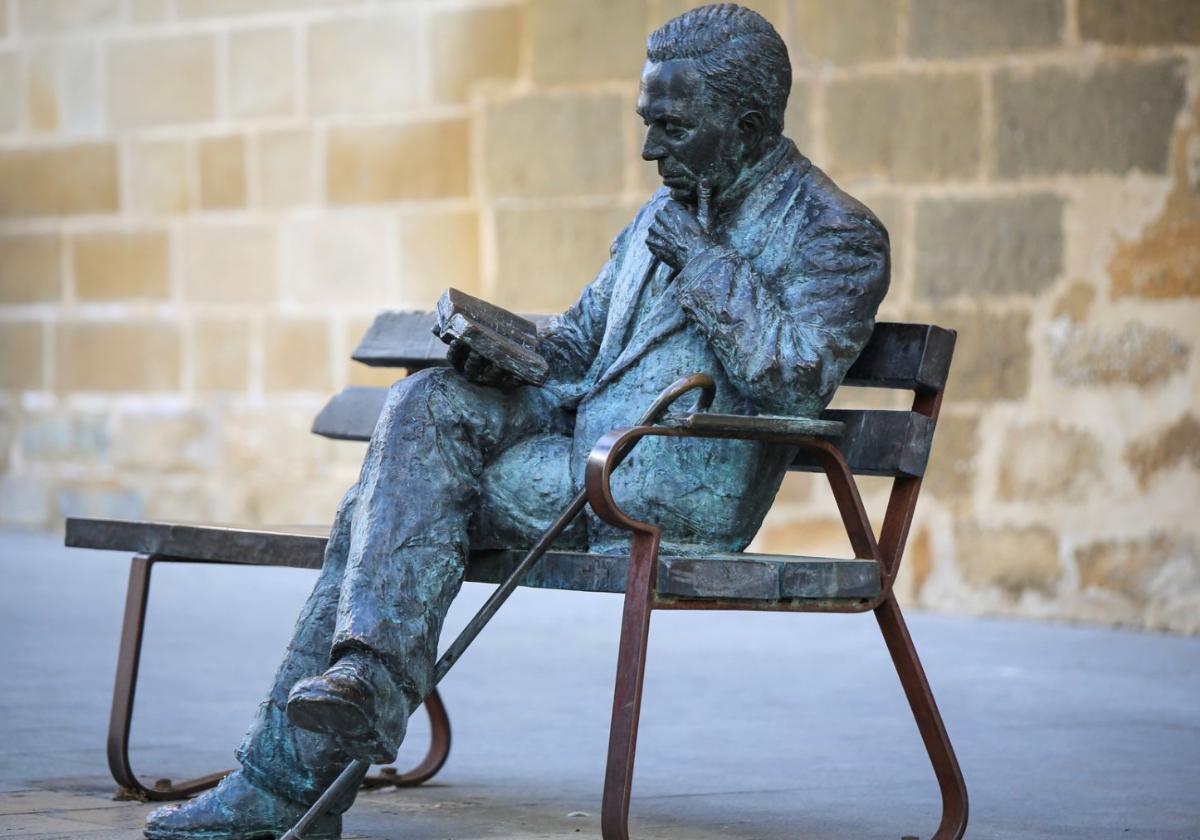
(737, 576)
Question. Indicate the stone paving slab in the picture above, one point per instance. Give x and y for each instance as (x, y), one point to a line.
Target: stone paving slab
(755, 727)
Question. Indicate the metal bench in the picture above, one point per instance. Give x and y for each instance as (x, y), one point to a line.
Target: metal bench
(841, 444)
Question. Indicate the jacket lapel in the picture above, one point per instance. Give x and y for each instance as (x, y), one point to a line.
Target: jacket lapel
(665, 317)
(746, 232)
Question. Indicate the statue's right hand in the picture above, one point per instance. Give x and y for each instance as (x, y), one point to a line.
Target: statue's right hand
(479, 369)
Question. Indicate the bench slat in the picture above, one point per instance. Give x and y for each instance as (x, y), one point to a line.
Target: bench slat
(754, 577)
(876, 442)
(909, 356)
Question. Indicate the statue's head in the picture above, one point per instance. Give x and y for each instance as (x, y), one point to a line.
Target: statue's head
(713, 93)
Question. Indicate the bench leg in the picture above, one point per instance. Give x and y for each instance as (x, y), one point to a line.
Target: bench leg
(627, 697)
(125, 687)
(929, 720)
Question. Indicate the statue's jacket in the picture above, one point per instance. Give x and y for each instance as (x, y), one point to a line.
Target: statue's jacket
(776, 310)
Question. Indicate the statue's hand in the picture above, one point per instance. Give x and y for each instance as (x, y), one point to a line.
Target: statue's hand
(479, 369)
(675, 236)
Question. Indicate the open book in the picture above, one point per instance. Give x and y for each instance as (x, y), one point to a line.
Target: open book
(506, 340)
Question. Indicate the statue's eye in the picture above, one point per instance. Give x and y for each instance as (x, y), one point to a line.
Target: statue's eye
(675, 131)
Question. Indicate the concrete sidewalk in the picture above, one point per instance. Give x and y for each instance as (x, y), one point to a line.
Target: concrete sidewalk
(754, 726)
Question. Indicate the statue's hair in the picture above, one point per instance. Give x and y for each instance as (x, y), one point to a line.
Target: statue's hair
(738, 51)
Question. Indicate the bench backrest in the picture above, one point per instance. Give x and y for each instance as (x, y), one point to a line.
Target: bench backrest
(912, 357)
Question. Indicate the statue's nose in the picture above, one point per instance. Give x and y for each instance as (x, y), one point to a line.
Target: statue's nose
(651, 148)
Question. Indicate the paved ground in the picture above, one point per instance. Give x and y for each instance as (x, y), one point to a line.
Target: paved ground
(755, 726)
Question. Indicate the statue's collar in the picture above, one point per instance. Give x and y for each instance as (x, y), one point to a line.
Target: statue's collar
(729, 200)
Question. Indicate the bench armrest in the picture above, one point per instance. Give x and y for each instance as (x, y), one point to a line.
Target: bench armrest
(764, 427)
(806, 433)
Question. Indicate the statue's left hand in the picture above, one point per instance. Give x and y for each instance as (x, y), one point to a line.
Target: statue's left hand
(478, 369)
(675, 236)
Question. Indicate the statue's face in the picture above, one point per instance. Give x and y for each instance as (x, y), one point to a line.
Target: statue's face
(689, 134)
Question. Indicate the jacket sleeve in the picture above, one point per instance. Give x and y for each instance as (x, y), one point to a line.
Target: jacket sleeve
(786, 338)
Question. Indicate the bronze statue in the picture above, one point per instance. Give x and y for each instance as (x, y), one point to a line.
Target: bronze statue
(748, 264)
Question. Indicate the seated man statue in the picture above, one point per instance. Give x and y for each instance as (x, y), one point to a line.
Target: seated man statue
(771, 288)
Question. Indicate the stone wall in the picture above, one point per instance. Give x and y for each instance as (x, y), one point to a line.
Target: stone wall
(202, 202)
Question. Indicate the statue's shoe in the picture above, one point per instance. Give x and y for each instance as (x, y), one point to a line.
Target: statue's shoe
(343, 702)
(235, 810)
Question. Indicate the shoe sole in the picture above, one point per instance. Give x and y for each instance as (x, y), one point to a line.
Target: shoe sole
(329, 715)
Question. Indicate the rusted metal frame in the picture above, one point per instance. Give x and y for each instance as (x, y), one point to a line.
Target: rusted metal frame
(120, 721)
(953, 788)
(641, 594)
(641, 599)
(902, 502)
(893, 536)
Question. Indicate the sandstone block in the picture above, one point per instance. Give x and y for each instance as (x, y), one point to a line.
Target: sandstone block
(229, 263)
(660, 11)
(287, 168)
(58, 181)
(1165, 261)
(158, 178)
(62, 89)
(992, 354)
(845, 31)
(231, 8)
(48, 436)
(1114, 118)
(811, 536)
(1075, 303)
(380, 163)
(364, 64)
(437, 249)
(157, 81)
(356, 373)
(30, 268)
(164, 441)
(24, 366)
(222, 172)
(81, 99)
(10, 103)
(42, 104)
(988, 246)
(298, 355)
(1176, 445)
(45, 17)
(1137, 354)
(956, 28)
(148, 11)
(553, 144)
(578, 40)
(220, 354)
(262, 72)
(98, 498)
(954, 461)
(885, 126)
(546, 255)
(337, 258)
(795, 120)
(1047, 461)
(117, 356)
(24, 501)
(473, 43)
(1011, 559)
(1126, 566)
(120, 265)
(1143, 22)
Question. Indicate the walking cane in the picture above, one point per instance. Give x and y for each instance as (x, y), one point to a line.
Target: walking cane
(352, 776)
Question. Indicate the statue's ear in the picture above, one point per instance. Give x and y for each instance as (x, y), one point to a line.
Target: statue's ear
(753, 127)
